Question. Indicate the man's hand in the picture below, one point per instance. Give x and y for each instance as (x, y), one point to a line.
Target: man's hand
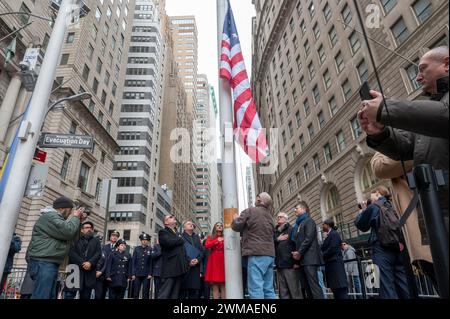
(370, 107)
(79, 212)
(194, 262)
(283, 237)
(296, 266)
(133, 277)
(149, 277)
(371, 128)
(98, 274)
(109, 279)
(87, 265)
(296, 255)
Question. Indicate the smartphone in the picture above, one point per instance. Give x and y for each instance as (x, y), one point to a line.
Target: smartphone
(364, 92)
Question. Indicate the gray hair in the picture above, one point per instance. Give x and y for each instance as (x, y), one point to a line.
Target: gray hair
(265, 199)
(283, 214)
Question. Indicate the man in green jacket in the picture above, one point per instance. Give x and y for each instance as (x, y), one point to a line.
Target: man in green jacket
(49, 245)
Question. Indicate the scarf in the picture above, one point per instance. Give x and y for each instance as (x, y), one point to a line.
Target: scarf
(297, 224)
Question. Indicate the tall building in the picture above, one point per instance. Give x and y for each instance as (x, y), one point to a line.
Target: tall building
(176, 176)
(308, 65)
(93, 60)
(136, 165)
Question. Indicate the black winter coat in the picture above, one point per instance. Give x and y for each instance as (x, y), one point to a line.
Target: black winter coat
(284, 249)
(174, 258)
(86, 249)
(156, 260)
(192, 277)
(307, 243)
(334, 262)
(118, 268)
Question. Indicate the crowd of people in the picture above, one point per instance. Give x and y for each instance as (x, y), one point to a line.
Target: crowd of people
(185, 265)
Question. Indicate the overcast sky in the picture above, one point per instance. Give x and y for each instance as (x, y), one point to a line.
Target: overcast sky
(206, 19)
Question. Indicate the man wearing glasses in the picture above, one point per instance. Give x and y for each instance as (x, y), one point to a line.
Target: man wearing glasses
(174, 260)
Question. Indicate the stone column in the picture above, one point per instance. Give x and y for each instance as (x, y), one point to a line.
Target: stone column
(9, 102)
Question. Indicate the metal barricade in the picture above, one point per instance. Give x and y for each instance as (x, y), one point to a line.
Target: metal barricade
(13, 284)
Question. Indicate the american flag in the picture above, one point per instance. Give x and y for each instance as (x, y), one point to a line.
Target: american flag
(247, 126)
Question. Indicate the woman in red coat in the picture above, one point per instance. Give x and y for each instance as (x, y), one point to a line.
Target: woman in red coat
(215, 268)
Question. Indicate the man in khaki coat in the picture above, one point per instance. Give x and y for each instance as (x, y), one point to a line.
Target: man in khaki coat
(414, 231)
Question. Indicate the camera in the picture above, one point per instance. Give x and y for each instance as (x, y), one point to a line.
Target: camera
(368, 202)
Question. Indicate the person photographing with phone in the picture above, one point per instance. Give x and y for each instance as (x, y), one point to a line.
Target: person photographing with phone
(52, 235)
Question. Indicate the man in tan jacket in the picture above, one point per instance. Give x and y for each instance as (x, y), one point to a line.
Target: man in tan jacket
(414, 231)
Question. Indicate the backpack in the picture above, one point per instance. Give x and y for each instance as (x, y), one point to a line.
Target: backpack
(389, 231)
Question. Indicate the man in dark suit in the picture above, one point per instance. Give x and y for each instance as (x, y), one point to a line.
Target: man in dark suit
(194, 253)
(307, 251)
(174, 261)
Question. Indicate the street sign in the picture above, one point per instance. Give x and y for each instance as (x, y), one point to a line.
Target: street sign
(36, 180)
(40, 155)
(66, 141)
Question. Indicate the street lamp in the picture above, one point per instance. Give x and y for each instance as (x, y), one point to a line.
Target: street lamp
(73, 98)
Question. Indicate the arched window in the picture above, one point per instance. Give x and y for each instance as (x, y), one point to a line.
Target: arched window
(369, 181)
(334, 208)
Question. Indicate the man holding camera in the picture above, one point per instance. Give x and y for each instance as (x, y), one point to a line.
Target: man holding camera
(50, 242)
(420, 127)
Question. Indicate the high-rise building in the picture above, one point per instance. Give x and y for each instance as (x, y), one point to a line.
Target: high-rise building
(309, 61)
(136, 166)
(93, 60)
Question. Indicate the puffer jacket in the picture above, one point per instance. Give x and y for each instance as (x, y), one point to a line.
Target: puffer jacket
(52, 236)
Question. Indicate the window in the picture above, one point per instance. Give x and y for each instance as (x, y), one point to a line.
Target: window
(126, 234)
(388, 5)
(86, 71)
(302, 142)
(99, 66)
(73, 127)
(283, 136)
(327, 153)
(333, 106)
(369, 180)
(327, 79)
(65, 166)
(83, 177)
(423, 9)
(298, 119)
(340, 139)
(316, 94)
(322, 54)
(299, 63)
(312, 71)
(294, 151)
(363, 72)
(306, 107)
(327, 12)
(106, 29)
(316, 30)
(90, 51)
(295, 96)
(412, 72)
(347, 15)
(107, 78)
(70, 37)
(303, 84)
(295, 42)
(95, 85)
(400, 31)
(303, 27)
(354, 42)
(333, 36)
(311, 131)
(103, 99)
(109, 13)
(103, 47)
(333, 205)
(94, 32)
(347, 90)
(111, 108)
(339, 62)
(98, 14)
(100, 117)
(306, 172)
(64, 59)
(356, 128)
(291, 130)
(98, 188)
(316, 161)
(312, 10)
(321, 119)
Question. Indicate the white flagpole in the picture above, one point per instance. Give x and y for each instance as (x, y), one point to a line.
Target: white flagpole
(233, 268)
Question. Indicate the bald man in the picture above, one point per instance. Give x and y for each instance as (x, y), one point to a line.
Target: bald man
(256, 226)
(421, 126)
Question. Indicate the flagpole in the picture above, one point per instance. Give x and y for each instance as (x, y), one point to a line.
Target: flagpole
(233, 268)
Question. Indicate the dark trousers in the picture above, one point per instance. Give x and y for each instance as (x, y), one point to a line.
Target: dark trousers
(157, 281)
(310, 282)
(393, 280)
(190, 294)
(116, 292)
(101, 287)
(145, 284)
(84, 294)
(170, 288)
(340, 293)
(205, 290)
(289, 283)
(3, 282)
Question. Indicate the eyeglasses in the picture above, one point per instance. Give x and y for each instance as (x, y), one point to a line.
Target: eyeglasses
(281, 217)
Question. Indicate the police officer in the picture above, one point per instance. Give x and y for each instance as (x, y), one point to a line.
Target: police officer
(141, 268)
(101, 285)
(118, 269)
